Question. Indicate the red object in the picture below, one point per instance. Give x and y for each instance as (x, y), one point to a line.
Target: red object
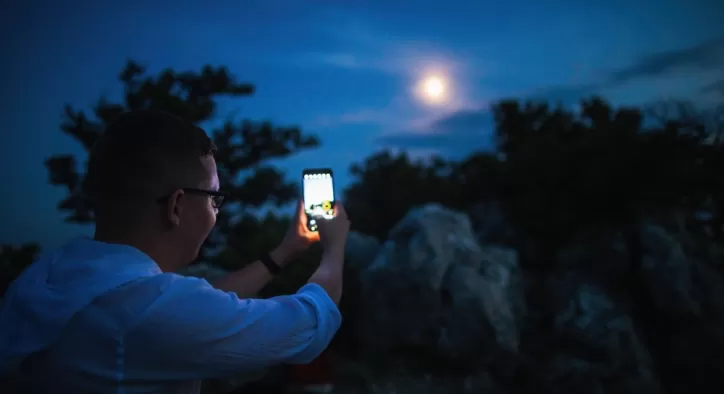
(317, 373)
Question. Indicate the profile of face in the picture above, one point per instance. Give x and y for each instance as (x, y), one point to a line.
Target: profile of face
(193, 215)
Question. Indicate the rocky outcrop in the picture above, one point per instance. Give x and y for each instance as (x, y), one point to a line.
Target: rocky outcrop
(644, 331)
(433, 286)
(444, 284)
(453, 287)
(596, 339)
(361, 249)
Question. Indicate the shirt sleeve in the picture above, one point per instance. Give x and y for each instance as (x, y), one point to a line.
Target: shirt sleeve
(194, 331)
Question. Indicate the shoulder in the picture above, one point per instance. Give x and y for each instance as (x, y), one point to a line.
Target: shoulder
(165, 286)
(172, 290)
(162, 297)
(172, 285)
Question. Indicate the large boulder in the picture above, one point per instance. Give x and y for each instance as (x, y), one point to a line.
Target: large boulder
(681, 285)
(604, 319)
(687, 292)
(361, 249)
(433, 286)
(598, 347)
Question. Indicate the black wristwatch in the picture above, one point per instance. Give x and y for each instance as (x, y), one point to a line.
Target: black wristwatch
(273, 267)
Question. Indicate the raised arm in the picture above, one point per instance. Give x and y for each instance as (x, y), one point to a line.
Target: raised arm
(247, 281)
(194, 331)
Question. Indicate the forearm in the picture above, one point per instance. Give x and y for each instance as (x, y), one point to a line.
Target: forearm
(248, 281)
(205, 333)
(329, 274)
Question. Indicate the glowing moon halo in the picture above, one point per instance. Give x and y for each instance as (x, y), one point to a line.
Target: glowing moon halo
(433, 89)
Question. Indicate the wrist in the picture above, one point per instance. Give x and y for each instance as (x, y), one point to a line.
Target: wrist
(281, 255)
(334, 252)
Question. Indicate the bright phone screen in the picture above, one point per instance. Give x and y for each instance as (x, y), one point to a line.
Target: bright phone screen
(319, 194)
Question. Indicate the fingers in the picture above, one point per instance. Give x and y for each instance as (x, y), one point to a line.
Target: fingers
(339, 210)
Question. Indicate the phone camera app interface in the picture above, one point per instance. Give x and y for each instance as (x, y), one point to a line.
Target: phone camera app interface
(319, 195)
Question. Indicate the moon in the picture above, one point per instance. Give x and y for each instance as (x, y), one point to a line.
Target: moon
(433, 89)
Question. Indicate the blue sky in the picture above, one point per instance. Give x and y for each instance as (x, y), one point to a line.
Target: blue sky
(344, 70)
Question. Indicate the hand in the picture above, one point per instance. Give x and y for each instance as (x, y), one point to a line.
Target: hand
(333, 232)
(297, 239)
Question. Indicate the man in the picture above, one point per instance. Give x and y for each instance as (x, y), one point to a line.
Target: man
(109, 316)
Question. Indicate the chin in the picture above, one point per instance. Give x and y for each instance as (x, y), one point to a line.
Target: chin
(187, 260)
(195, 255)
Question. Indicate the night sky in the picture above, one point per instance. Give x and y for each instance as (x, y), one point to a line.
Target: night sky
(345, 70)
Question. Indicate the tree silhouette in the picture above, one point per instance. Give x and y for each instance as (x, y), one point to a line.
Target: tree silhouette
(387, 186)
(569, 172)
(602, 169)
(480, 178)
(242, 148)
(707, 128)
(561, 174)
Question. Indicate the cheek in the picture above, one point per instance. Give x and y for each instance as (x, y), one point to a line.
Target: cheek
(206, 220)
(203, 224)
(200, 225)
(210, 220)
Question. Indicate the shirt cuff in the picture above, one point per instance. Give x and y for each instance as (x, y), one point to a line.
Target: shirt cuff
(328, 318)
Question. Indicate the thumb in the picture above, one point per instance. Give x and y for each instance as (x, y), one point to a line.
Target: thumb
(299, 211)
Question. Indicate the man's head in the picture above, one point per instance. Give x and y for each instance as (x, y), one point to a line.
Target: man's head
(151, 179)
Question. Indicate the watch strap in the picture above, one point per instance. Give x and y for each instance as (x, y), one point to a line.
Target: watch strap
(272, 266)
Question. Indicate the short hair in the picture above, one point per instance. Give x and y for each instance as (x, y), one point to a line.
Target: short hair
(144, 154)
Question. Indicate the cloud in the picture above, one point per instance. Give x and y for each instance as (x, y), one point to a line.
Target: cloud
(564, 94)
(471, 129)
(358, 59)
(457, 134)
(705, 56)
(702, 59)
(359, 47)
(363, 47)
(662, 70)
(389, 57)
(471, 121)
(714, 87)
(362, 116)
(353, 45)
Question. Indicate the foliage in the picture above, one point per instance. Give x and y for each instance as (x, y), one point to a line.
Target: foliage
(556, 173)
(389, 185)
(560, 173)
(242, 147)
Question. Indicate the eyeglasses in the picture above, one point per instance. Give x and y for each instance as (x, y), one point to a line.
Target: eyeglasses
(217, 198)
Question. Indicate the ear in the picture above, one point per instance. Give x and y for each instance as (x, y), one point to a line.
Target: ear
(174, 207)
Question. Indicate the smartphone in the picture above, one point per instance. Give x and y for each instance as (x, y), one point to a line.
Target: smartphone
(318, 188)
